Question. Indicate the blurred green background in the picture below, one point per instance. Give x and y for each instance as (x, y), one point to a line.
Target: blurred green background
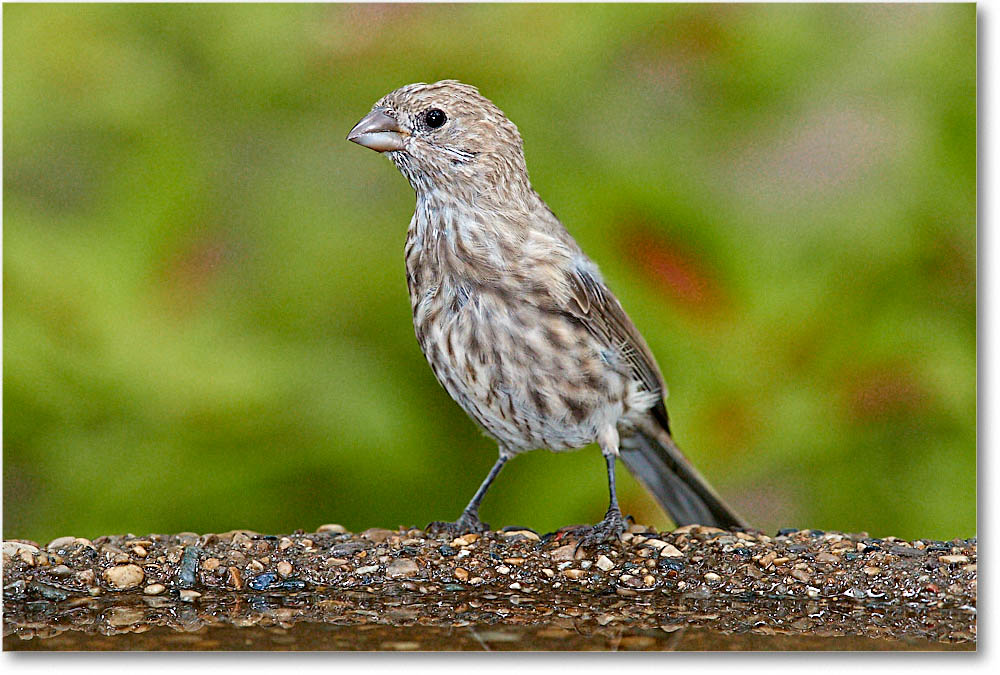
(205, 317)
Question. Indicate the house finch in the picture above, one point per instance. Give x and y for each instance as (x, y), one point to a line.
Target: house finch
(514, 319)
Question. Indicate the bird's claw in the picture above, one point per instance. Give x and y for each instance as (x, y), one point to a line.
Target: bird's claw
(467, 522)
(607, 531)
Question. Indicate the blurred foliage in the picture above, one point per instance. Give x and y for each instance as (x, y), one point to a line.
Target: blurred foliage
(205, 314)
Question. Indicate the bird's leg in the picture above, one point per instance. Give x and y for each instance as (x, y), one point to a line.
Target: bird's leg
(611, 528)
(469, 520)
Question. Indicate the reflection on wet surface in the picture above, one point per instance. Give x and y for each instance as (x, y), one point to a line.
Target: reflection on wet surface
(693, 588)
(395, 619)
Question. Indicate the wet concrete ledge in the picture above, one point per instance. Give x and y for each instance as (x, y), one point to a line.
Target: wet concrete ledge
(692, 588)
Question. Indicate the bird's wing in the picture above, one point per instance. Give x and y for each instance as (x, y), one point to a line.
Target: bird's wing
(598, 309)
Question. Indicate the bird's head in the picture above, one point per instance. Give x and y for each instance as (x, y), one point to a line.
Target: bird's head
(445, 135)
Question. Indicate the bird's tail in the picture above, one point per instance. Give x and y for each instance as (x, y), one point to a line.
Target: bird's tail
(652, 457)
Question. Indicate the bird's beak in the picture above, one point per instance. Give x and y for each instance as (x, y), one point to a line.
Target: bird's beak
(378, 131)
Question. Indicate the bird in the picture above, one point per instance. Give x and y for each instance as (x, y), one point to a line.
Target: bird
(515, 320)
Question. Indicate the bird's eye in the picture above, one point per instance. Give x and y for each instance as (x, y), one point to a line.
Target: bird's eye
(435, 118)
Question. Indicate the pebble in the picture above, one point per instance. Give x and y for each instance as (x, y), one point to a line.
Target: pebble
(187, 595)
(60, 542)
(712, 577)
(336, 528)
(60, 571)
(154, 589)
(235, 578)
(567, 552)
(461, 574)
(527, 534)
(15, 548)
(124, 576)
(656, 543)
(211, 564)
(285, 569)
(604, 563)
(954, 559)
(503, 569)
(670, 551)
(872, 571)
(367, 569)
(375, 534)
(801, 575)
(573, 573)
(284, 544)
(187, 572)
(403, 567)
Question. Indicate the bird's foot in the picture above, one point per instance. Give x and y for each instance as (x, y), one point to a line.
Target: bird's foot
(467, 522)
(607, 531)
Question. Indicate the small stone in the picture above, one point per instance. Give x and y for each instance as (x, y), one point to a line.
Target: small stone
(573, 573)
(367, 569)
(965, 568)
(187, 595)
(60, 542)
(604, 563)
(585, 564)
(801, 575)
(235, 578)
(712, 577)
(670, 551)
(475, 581)
(284, 544)
(567, 552)
(154, 589)
(187, 572)
(527, 534)
(954, 559)
(124, 576)
(140, 551)
(285, 569)
(827, 557)
(872, 571)
(26, 557)
(503, 569)
(332, 527)
(605, 619)
(336, 562)
(656, 543)
(461, 574)
(514, 561)
(515, 586)
(649, 580)
(210, 564)
(402, 567)
(547, 572)
(375, 534)
(459, 542)
(15, 548)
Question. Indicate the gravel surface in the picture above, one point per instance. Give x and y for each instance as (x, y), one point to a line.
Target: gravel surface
(718, 588)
